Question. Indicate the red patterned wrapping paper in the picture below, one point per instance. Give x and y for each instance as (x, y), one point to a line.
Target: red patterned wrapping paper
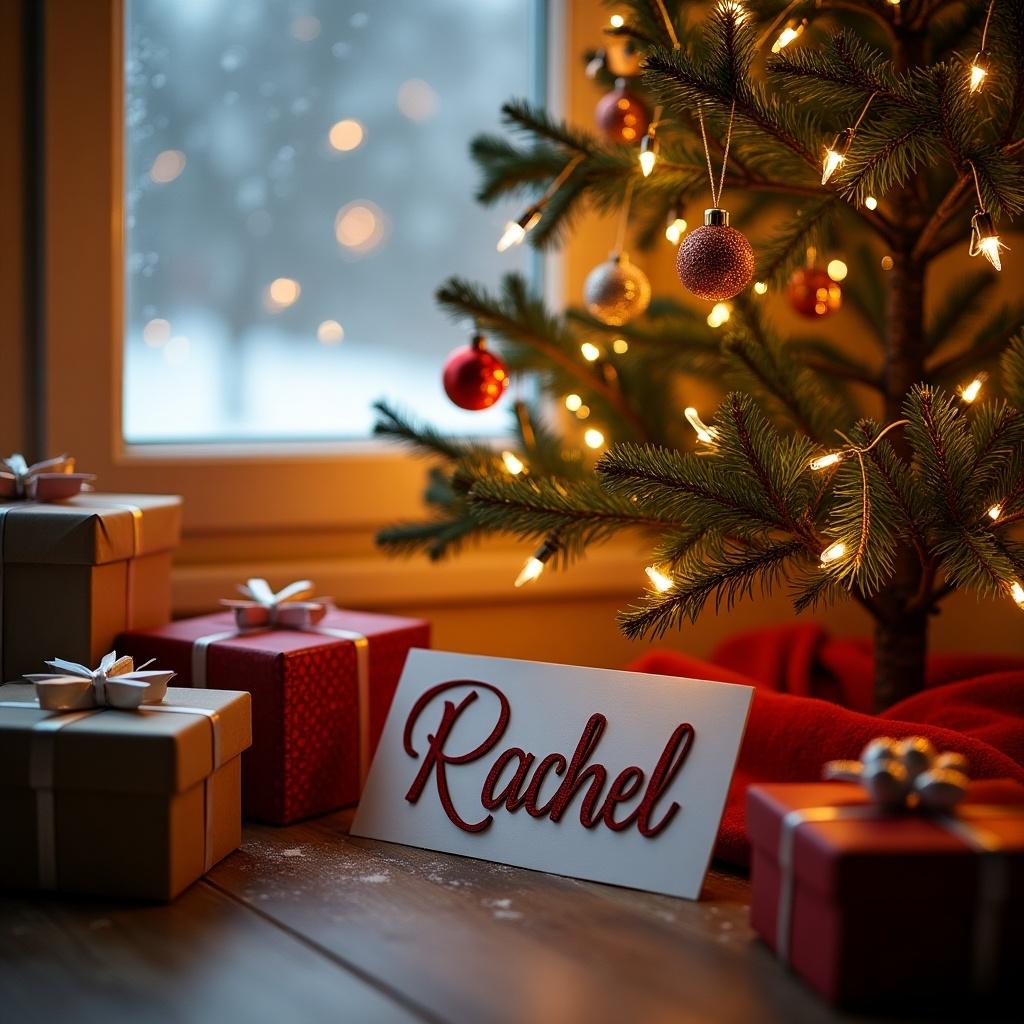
(887, 907)
(305, 753)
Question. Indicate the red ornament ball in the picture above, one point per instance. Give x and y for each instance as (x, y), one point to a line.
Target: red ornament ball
(474, 378)
(715, 262)
(621, 115)
(812, 293)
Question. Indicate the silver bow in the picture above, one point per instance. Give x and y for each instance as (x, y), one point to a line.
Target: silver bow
(906, 773)
(283, 609)
(50, 480)
(115, 684)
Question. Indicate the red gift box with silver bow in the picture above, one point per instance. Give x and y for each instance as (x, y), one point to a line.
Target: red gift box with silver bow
(321, 678)
(871, 894)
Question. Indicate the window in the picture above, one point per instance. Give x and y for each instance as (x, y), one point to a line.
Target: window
(296, 184)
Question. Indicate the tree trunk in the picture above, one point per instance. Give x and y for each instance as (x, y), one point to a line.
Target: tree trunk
(900, 651)
(901, 633)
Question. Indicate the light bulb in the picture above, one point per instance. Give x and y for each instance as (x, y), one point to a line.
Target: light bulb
(617, 21)
(837, 270)
(760, 287)
(515, 230)
(658, 579)
(871, 203)
(513, 463)
(620, 346)
(649, 152)
(985, 239)
(675, 230)
(791, 30)
(990, 250)
(720, 313)
(833, 552)
(995, 512)
(534, 565)
(593, 438)
(969, 392)
(573, 402)
(514, 234)
(835, 155)
(1017, 593)
(590, 352)
(709, 435)
(979, 70)
(824, 461)
(833, 161)
(532, 568)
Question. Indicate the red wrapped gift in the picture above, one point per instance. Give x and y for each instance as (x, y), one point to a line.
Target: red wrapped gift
(322, 680)
(868, 903)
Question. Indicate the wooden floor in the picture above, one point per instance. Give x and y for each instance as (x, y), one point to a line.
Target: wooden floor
(307, 924)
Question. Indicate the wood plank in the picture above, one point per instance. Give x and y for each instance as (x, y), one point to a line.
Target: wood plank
(204, 957)
(474, 941)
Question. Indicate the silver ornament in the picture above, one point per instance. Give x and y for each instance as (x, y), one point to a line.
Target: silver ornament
(616, 291)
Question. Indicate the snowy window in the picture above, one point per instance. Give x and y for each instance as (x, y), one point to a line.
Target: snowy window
(297, 184)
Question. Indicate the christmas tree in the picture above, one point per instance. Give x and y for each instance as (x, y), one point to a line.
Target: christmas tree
(890, 478)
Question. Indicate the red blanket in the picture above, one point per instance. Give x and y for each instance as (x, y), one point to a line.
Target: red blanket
(813, 704)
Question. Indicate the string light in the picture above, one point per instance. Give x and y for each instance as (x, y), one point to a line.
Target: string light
(984, 237)
(981, 63)
(706, 434)
(835, 155)
(620, 346)
(573, 402)
(593, 438)
(676, 226)
(871, 203)
(995, 512)
(583, 412)
(790, 31)
(833, 552)
(516, 230)
(513, 463)
(760, 287)
(650, 145)
(837, 270)
(825, 461)
(970, 391)
(617, 21)
(829, 459)
(659, 580)
(720, 313)
(534, 565)
(1017, 593)
(590, 352)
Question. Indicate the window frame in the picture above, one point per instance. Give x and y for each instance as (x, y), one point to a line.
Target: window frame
(250, 487)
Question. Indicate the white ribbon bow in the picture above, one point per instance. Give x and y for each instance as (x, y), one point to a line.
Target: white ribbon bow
(50, 480)
(115, 684)
(285, 609)
(905, 774)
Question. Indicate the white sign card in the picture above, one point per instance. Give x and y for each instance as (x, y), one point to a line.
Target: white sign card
(611, 776)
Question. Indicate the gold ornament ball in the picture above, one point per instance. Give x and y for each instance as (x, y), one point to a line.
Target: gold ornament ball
(715, 261)
(616, 291)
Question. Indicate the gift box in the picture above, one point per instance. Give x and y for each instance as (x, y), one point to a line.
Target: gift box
(868, 904)
(122, 803)
(320, 695)
(75, 573)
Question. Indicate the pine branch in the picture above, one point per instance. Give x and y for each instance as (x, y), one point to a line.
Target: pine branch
(1012, 369)
(424, 438)
(787, 250)
(726, 575)
(581, 515)
(964, 299)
